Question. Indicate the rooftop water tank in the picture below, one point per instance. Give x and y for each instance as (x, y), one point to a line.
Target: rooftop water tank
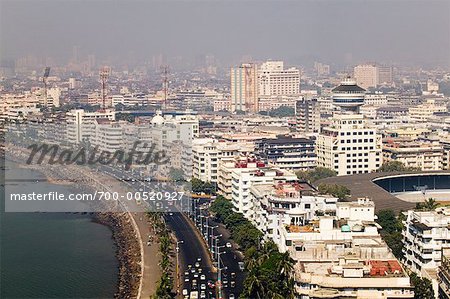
(345, 228)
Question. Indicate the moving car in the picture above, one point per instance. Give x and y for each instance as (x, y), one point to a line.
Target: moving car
(241, 266)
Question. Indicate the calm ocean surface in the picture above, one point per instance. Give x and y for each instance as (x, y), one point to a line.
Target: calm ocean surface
(54, 255)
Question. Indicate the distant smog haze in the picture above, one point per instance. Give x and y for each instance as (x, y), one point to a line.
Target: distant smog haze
(342, 32)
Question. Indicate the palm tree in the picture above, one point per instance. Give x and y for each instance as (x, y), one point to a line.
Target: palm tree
(430, 204)
(254, 285)
(285, 264)
(268, 249)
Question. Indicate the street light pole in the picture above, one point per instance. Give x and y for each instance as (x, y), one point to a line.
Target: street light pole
(219, 276)
(212, 233)
(178, 265)
(201, 224)
(216, 240)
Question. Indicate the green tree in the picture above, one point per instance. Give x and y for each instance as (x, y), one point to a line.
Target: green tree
(391, 231)
(423, 288)
(315, 174)
(221, 208)
(388, 221)
(176, 175)
(282, 111)
(339, 191)
(428, 205)
(199, 186)
(393, 166)
(234, 220)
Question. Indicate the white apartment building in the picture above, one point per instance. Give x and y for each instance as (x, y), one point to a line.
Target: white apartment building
(349, 146)
(15, 107)
(418, 154)
(366, 75)
(222, 104)
(275, 80)
(274, 205)
(81, 124)
(109, 135)
(207, 152)
(244, 173)
(375, 99)
(137, 99)
(423, 112)
(287, 153)
(169, 128)
(273, 102)
(426, 234)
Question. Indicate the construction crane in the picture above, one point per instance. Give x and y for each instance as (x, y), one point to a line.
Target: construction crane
(165, 75)
(44, 80)
(104, 75)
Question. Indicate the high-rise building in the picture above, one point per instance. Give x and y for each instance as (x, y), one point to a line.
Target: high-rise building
(307, 112)
(366, 75)
(349, 145)
(244, 88)
(321, 69)
(275, 80)
(385, 74)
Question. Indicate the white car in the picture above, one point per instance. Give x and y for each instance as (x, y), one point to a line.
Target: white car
(231, 296)
(195, 275)
(228, 245)
(202, 294)
(203, 286)
(203, 277)
(185, 292)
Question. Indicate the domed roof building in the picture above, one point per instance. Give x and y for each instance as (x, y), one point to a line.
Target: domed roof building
(158, 119)
(348, 96)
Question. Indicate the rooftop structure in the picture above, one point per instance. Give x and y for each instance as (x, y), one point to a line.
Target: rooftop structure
(348, 96)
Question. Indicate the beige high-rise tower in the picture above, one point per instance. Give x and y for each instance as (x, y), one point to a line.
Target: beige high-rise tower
(244, 88)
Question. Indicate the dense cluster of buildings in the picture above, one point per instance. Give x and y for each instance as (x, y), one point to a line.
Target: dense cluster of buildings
(351, 125)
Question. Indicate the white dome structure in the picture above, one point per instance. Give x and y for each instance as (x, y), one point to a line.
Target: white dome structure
(158, 119)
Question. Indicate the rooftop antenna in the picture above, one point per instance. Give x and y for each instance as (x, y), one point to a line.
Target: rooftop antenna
(165, 74)
(44, 80)
(104, 75)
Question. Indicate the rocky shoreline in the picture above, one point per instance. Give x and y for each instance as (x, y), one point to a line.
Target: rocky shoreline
(127, 252)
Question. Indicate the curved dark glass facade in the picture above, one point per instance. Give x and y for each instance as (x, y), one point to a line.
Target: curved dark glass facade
(408, 183)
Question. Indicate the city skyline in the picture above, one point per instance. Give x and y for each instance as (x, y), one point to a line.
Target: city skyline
(344, 32)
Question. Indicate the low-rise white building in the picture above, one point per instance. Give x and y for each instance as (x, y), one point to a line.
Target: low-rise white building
(417, 154)
(343, 256)
(81, 124)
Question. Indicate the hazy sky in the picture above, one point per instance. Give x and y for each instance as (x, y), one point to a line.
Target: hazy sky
(330, 31)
